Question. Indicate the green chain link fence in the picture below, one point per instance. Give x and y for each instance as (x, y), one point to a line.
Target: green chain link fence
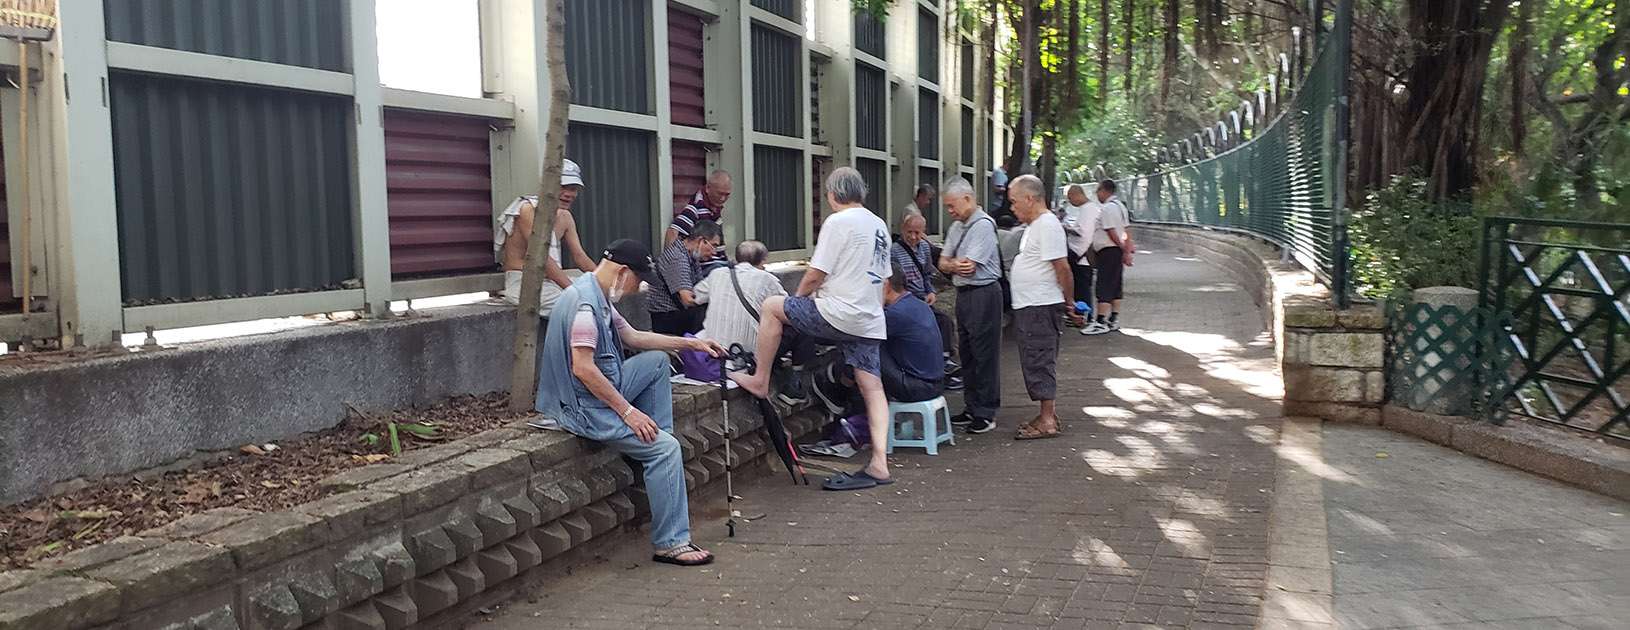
(1286, 183)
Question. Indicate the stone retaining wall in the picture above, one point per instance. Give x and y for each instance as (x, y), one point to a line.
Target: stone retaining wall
(395, 544)
(1332, 360)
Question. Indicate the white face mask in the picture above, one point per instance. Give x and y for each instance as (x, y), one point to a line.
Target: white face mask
(616, 293)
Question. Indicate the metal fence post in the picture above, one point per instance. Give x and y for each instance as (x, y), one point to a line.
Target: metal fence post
(372, 217)
(1340, 257)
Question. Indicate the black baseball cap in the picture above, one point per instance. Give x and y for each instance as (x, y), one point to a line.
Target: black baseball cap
(633, 255)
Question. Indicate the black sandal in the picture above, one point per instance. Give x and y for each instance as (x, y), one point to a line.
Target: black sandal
(672, 556)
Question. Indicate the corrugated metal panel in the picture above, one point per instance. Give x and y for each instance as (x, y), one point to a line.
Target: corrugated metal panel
(306, 33)
(776, 106)
(819, 168)
(928, 45)
(870, 36)
(817, 71)
(871, 107)
(685, 74)
(8, 301)
(690, 170)
(229, 190)
(874, 172)
(438, 170)
(618, 170)
(928, 124)
(966, 69)
(607, 57)
(967, 136)
(784, 8)
(932, 214)
(777, 190)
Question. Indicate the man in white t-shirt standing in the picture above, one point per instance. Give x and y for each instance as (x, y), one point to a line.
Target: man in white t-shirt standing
(1080, 223)
(839, 301)
(1111, 254)
(1040, 279)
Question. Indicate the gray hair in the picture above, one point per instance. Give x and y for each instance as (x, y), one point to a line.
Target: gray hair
(705, 230)
(958, 186)
(1028, 185)
(897, 278)
(906, 220)
(846, 186)
(752, 252)
(924, 189)
(717, 175)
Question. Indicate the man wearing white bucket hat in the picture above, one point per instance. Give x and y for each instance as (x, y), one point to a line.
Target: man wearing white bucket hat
(509, 241)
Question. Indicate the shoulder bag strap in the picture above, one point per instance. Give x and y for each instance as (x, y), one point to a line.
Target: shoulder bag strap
(736, 282)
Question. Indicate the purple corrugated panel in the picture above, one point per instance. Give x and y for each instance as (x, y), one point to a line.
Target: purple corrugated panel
(438, 175)
(685, 68)
(690, 171)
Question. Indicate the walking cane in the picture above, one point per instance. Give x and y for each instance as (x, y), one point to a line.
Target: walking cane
(724, 423)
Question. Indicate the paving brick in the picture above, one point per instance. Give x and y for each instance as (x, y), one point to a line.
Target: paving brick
(267, 538)
(58, 602)
(352, 513)
(166, 572)
(426, 488)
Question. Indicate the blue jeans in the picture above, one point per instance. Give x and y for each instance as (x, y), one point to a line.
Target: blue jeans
(646, 386)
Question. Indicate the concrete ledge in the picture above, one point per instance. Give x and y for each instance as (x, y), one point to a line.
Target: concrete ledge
(1572, 459)
(391, 550)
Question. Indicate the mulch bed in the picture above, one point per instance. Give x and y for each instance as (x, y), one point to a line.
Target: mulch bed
(254, 478)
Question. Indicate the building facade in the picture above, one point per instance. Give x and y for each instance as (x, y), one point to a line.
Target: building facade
(241, 160)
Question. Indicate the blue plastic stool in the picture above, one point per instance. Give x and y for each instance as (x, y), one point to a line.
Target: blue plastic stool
(921, 425)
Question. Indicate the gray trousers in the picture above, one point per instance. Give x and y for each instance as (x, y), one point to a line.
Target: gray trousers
(979, 343)
(1037, 328)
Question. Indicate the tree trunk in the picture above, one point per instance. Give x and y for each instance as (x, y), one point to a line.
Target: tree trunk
(1130, 16)
(1521, 40)
(1168, 64)
(1103, 52)
(989, 37)
(1453, 39)
(523, 382)
(1072, 92)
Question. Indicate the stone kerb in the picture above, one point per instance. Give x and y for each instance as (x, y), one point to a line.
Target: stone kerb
(1333, 361)
(392, 546)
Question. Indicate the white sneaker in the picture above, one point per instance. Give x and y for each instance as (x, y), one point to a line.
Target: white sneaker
(1096, 328)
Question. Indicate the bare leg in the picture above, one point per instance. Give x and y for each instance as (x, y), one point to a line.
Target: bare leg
(877, 419)
(1103, 310)
(1047, 422)
(773, 317)
(1115, 306)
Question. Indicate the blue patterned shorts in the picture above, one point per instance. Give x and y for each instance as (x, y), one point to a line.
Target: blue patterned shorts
(858, 352)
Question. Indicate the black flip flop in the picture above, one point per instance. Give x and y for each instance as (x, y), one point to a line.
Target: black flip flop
(678, 551)
(858, 480)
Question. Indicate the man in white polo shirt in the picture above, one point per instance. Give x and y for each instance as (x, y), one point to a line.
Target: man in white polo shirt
(1041, 278)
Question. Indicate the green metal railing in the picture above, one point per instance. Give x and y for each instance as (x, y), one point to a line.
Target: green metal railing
(1286, 184)
(1563, 289)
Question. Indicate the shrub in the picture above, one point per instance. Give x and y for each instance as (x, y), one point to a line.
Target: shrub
(1401, 241)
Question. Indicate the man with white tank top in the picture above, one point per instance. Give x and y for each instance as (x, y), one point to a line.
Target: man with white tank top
(515, 227)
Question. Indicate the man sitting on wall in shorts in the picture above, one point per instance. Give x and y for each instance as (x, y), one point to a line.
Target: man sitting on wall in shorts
(839, 301)
(515, 227)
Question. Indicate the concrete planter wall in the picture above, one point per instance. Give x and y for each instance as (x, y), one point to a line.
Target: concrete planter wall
(396, 545)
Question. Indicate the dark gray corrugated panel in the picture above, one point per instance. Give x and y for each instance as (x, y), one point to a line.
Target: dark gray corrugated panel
(776, 106)
(607, 57)
(932, 178)
(871, 107)
(928, 124)
(778, 205)
(874, 172)
(228, 190)
(306, 33)
(870, 36)
(928, 45)
(967, 136)
(784, 8)
(617, 200)
(966, 69)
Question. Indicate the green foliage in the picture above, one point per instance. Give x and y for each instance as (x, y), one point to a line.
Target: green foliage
(1401, 241)
(878, 8)
(1117, 137)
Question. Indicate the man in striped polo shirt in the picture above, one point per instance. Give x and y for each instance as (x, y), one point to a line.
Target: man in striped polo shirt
(706, 205)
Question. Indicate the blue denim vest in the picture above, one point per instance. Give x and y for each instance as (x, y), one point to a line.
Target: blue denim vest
(560, 395)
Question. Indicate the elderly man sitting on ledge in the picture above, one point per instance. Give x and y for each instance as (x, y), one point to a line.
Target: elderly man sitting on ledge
(585, 387)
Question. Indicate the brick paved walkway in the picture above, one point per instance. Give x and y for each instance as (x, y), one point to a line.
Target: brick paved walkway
(1152, 509)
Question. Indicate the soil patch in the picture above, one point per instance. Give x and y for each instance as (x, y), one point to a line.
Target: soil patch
(253, 478)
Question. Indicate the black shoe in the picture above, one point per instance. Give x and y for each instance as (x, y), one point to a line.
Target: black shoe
(962, 419)
(981, 425)
(951, 367)
(953, 383)
(830, 393)
(794, 391)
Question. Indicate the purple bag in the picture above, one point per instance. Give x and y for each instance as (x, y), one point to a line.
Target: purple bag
(697, 365)
(852, 430)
